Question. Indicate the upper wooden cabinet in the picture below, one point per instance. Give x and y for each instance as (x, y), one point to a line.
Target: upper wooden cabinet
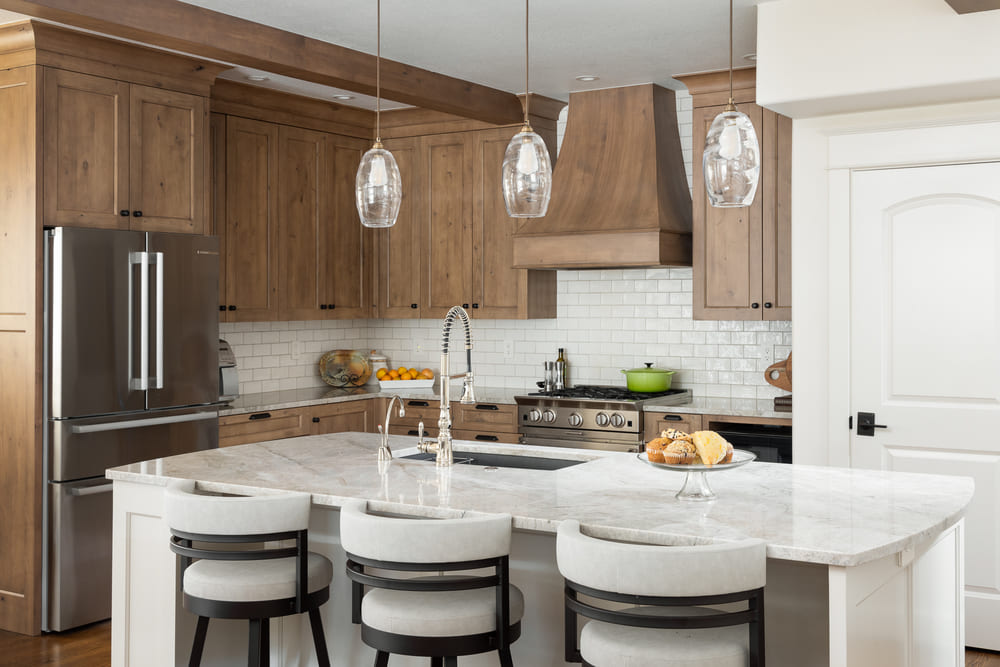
(400, 249)
(742, 256)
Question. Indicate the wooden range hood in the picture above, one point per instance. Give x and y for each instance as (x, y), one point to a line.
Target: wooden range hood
(620, 195)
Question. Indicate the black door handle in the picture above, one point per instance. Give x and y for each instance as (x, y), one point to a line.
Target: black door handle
(486, 406)
(136, 214)
(465, 305)
(123, 213)
(315, 420)
(755, 305)
(322, 306)
(232, 307)
(418, 404)
(767, 304)
(488, 438)
(867, 425)
(260, 415)
(413, 305)
(673, 418)
(222, 308)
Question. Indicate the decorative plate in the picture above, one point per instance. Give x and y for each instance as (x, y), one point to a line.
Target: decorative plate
(345, 368)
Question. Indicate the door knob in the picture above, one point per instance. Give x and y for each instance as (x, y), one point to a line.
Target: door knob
(867, 425)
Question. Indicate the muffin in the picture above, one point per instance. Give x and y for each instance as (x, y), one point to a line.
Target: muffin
(680, 452)
(654, 449)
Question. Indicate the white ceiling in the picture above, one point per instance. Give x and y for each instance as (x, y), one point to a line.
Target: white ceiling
(623, 42)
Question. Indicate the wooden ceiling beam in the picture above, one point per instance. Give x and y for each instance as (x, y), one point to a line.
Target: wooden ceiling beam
(972, 6)
(210, 34)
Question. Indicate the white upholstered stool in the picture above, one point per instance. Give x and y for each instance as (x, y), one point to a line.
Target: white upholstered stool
(667, 626)
(256, 584)
(439, 616)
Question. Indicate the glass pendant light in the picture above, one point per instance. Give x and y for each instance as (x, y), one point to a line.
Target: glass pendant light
(378, 187)
(527, 169)
(731, 162)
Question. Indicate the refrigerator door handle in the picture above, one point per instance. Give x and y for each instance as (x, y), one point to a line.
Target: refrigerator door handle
(141, 381)
(157, 379)
(91, 490)
(140, 423)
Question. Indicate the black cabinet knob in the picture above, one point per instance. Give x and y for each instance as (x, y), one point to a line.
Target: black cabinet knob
(767, 304)
(222, 308)
(136, 214)
(332, 306)
(232, 307)
(465, 305)
(755, 305)
(315, 420)
(123, 213)
(413, 305)
(322, 306)
(475, 305)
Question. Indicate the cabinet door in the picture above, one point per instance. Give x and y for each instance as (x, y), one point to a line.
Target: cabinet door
(217, 221)
(168, 146)
(251, 221)
(401, 247)
(345, 275)
(776, 160)
(85, 157)
(726, 241)
(300, 172)
(448, 161)
(355, 416)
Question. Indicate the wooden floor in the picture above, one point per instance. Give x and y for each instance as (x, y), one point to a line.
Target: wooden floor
(91, 647)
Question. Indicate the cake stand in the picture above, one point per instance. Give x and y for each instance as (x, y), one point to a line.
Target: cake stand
(696, 486)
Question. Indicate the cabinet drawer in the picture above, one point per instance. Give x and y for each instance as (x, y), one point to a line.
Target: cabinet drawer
(486, 417)
(406, 429)
(342, 417)
(656, 422)
(261, 426)
(486, 436)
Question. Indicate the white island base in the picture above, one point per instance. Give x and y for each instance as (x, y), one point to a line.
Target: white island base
(898, 601)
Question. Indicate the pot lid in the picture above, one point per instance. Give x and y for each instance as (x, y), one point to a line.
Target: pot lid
(649, 369)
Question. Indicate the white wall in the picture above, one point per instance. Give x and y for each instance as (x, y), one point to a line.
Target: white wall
(816, 57)
(607, 320)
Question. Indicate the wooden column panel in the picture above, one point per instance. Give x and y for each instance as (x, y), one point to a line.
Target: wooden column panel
(217, 221)
(86, 156)
(300, 181)
(777, 216)
(168, 165)
(401, 247)
(251, 220)
(344, 274)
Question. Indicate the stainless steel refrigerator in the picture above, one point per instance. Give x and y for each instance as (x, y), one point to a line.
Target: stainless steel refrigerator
(131, 371)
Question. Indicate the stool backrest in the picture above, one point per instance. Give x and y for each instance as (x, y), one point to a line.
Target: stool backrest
(189, 512)
(653, 570)
(422, 541)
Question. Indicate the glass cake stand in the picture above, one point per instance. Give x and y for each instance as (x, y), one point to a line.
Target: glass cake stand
(696, 486)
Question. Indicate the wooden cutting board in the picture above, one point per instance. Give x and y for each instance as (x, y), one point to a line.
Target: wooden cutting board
(779, 374)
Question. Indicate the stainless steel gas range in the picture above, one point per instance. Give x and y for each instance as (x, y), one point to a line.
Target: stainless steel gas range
(589, 416)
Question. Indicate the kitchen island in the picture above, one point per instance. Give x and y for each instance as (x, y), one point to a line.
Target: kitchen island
(864, 567)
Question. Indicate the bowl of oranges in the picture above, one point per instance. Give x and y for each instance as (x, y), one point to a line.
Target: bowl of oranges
(403, 377)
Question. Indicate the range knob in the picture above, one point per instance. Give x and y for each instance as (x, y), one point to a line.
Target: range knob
(617, 420)
(534, 415)
(601, 419)
(575, 420)
(549, 416)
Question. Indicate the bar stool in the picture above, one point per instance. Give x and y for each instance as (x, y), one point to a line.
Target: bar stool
(440, 616)
(256, 584)
(666, 626)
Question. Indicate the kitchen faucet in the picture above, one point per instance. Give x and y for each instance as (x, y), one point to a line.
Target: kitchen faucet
(443, 444)
(384, 453)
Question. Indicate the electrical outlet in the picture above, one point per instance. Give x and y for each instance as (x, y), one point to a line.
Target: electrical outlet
(768, 355)
(420, 347)
(508, 349)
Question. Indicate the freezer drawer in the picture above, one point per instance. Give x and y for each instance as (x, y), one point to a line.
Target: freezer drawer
(81, 448)
(79, 576)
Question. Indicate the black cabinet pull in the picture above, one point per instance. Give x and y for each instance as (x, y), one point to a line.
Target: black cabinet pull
(475, 305)
(136, 214)
(260, 415)
(490, 438)
(315, 420)
(232, 307)
(465, 305)
(222, 308)
(332, 306)
(755, 305)
(418, 404)
(486, 406)
(767, 304)
(413, 305)
(412, 432)
(322, 306)
(672, 418)
(123, 213)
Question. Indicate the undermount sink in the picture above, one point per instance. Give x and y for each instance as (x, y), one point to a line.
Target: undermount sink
(500, 460)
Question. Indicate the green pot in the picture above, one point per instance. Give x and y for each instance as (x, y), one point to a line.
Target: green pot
(648, 379)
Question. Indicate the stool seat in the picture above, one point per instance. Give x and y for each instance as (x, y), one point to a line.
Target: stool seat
(611, 645)
(438, 613)
(252, 581)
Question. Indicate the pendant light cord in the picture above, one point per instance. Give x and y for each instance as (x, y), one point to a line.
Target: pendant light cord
(527, 94)
(378, 72)
(731, 52)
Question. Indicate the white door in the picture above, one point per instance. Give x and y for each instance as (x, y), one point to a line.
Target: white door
(925, 345)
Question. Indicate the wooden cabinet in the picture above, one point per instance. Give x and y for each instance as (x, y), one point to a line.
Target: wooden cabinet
(354, 416)
(262, 426)
(742, 256)
(485, 422)
(123, 156)
(453, 241)
(417, 410)
(654, 423)
(217, 218)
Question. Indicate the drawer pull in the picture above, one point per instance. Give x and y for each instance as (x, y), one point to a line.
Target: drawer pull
(486, 406)
(315, 420)
(673, 418)
(260, 415)
(490, 438)
(413, 431)
(418, 404)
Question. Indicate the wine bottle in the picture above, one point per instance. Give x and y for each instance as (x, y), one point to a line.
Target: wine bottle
(562, 363)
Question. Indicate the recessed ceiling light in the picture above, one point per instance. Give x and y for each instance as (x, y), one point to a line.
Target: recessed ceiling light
(257, 77)
(587, 77)
(750, 57)
(343, 97)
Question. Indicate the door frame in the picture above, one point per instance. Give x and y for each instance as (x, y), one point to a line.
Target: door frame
(825, 151)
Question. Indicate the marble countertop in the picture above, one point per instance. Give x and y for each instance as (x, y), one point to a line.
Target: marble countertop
(832, 516)
(297, 398)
